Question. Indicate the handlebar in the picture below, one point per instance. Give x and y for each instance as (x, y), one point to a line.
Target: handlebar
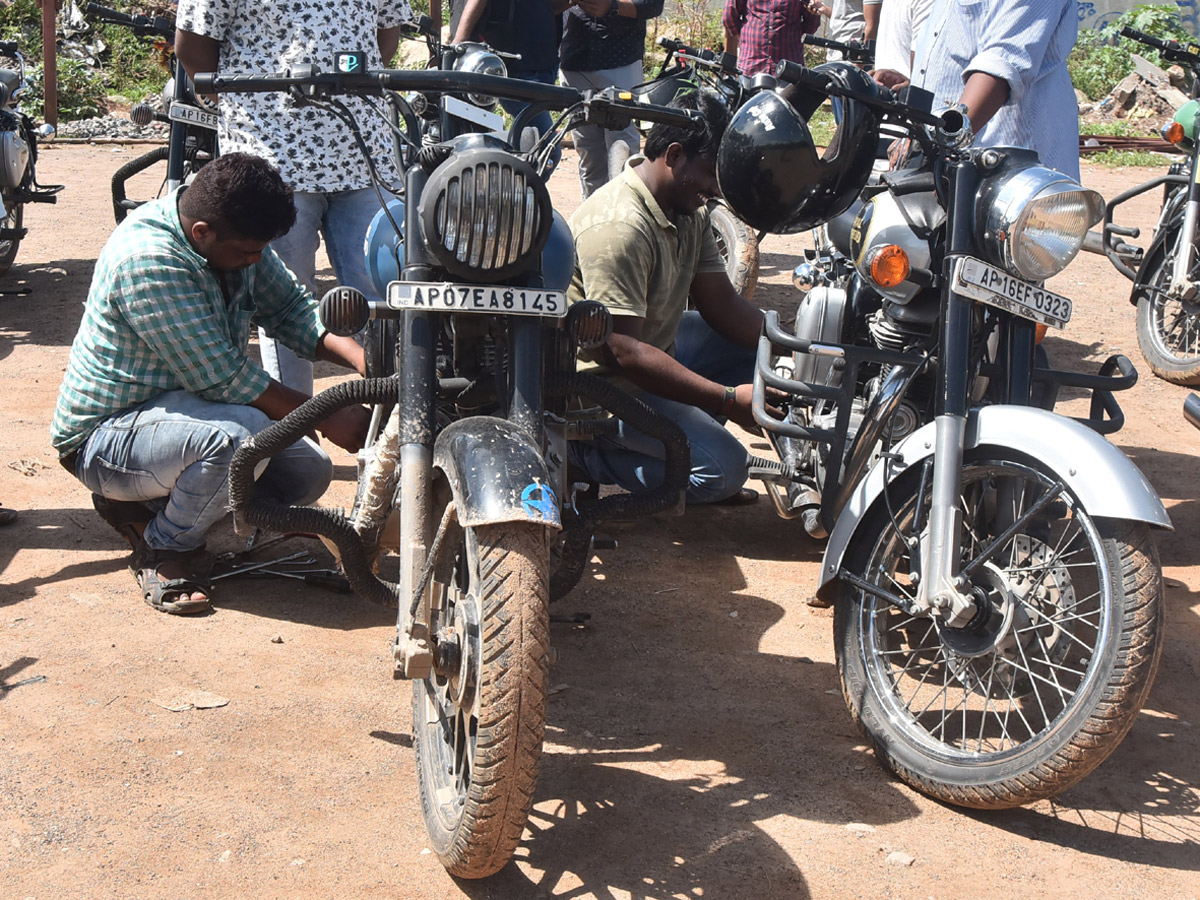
(159, 25)
(723, 62)
(1172, 51)
(313, 83)
(855, 51)
(950, 121)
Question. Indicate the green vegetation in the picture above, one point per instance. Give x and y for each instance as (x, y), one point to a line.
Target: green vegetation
(1102, 58)
(1117, 159)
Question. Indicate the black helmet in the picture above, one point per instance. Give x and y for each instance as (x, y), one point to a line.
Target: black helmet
(768, 166)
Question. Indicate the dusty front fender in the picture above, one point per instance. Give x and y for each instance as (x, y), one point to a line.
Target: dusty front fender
(496, 473)
(1107, 484)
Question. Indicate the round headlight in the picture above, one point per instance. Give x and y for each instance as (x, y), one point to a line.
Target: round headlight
(1034, 220)
(168, 93)
(476, 58)
(486, 214)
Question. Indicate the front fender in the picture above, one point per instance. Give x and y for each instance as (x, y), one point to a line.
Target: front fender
(1107, 484)
(496, 473)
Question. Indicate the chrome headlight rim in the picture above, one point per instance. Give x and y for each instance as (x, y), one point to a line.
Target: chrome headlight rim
(479, 59)
(486, 215)
(1010, 199)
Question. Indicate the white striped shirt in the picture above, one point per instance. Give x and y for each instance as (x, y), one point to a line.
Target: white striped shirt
(1023, 42)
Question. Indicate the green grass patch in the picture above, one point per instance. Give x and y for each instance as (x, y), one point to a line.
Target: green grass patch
(1118, 159)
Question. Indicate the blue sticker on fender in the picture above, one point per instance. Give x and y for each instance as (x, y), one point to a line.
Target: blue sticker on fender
(538, 500)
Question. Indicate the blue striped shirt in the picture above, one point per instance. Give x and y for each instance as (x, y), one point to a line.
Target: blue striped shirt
(158, 319)
(1023, 42)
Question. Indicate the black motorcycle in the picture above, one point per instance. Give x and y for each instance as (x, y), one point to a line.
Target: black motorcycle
(468, 479)
(18, 157)
(1166, 280)
(193, 129)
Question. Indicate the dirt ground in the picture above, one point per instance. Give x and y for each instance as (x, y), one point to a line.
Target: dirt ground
(697, 746)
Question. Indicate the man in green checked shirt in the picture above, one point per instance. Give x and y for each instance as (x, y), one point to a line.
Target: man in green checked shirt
(159, 390)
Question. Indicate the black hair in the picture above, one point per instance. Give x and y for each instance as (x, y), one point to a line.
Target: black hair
(703, 143)
(243, 195)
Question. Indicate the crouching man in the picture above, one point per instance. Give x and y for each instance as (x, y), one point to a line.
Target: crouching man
(159, 390)
(644, 247)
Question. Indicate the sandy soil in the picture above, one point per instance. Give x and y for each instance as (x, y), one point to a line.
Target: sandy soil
(697, 744)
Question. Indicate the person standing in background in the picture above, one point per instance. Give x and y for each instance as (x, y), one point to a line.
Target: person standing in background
(603, 45)
(900, 24)
(763, 32)
(312, 148)
(852, 20)
(530, 29)
(1004, 62)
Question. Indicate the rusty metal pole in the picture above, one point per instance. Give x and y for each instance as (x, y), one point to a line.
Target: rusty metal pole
(49, 61)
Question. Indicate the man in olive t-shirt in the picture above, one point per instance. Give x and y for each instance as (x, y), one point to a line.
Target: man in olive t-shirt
(643, 246)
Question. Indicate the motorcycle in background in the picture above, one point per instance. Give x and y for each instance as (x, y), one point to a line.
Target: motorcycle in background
(687, 67)
(18, 157)
(472, 434)
(193, 129)
(1166, 283)
(997, 591)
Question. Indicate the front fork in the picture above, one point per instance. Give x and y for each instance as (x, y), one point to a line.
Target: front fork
(941, 588)
(1181, 287)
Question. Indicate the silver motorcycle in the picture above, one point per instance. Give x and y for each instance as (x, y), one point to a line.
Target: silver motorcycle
(998, 594)
(18, 157)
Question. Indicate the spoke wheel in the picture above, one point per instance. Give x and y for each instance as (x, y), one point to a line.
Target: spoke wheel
(14, 217)
(479, 719)
(1048, 677)
(1168, 328)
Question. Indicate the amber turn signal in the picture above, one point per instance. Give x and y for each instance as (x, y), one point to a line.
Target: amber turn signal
(889, 266)
(1173, 133)
(1040, 332)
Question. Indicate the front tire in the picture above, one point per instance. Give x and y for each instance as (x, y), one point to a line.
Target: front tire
(478, 726)
(1168, 329)
(1033, 694)
(14, 218)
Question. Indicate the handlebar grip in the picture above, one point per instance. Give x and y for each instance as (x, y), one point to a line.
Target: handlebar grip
(1149, 40)
(8, 48)
(794, 73)
(671, 44)
(662, 115)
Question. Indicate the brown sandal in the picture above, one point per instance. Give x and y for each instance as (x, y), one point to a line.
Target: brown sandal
(166, 594)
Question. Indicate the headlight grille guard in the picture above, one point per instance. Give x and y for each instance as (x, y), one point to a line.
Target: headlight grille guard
(486, 215)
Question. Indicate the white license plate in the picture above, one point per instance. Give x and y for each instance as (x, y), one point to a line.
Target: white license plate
(489, 299)
(181, 112)
(995, 287)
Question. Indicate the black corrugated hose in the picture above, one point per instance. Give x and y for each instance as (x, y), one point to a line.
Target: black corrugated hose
(272, 516)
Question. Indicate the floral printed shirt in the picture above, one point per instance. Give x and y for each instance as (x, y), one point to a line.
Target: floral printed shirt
(312, 148)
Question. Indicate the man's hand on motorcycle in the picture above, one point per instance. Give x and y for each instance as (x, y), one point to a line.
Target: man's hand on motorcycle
(890, 78)
(741, 410)
(347, 427)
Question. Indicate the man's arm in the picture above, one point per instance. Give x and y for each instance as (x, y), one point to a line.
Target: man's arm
(347, 427)
(983, 95)
(342, 351)
(732, 17)
(469, 21)
(871, 20)
(389, 41)
(197, 53)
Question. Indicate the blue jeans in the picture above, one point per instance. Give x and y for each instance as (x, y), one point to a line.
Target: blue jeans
(342, 219)
(543, 121)
(634, 460)
(173, 453)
